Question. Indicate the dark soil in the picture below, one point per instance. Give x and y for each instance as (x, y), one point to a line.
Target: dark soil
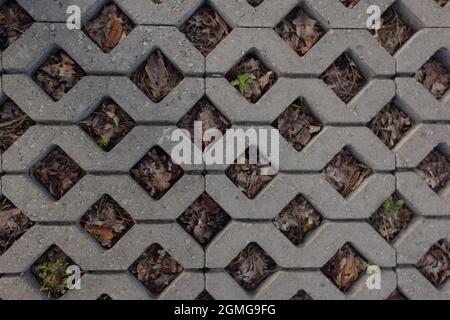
(344, 268)
(300, 30)
(435, 169)
(204, 295)
(298, 219)
(344, 78)
(57, 172)
(13, 224)
(298, 125)
(350, 3)
(104, 297)
(106, 221)
(435, 265)
(251, 266)
(109, 27)
(157, 76)
(58, 75)
(345, 173)
(255, 3)
(13, 124)
(156, 269)
(108, 125)
(302, 295)
(396, 295)
(205, 29)
(14, 21)
(442, 3)
(156, 172)
(204, 219)
(435, 77)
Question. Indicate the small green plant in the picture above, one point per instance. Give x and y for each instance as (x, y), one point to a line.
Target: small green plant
(392, 206)
(53, 276)
(301, 105)
(102, 142)
(243, 82)
(2, 205)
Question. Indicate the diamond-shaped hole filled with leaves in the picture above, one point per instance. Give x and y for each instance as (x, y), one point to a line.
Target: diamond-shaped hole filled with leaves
(57, 172)
(204, 219)
(157, 76)
(58, 75)
(435, 77)
(109, 27)
(297, 124)
(205, 29)
(50, 271)
(106, 221)
(344, 268)
(345, 173)
(298, 219)
(108, 124)
(13, 124)
(13, 224)
(435, 264)
(391, 124)
(14, 21)
(344, 77)
(250, 174)
(349, 3)
(300, 30)
(391, 218)
(156, 268)
(251, 266)
(396, 295)
(209, 116)
(156, 172)
(251, 78)
(442, 3)
(435, 169)
(301, 295)
(104, 296)
(255, 3)
(205, 295)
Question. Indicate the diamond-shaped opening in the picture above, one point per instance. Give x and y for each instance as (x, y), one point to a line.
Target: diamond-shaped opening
(106, 221)
(435, 76)
(13, 124)
(204, 219)
(391, 124)
(14, 21)
(104, 296)
(210, 117)
(57, 172)
(251, 77)
(156, 268)
(442, 3)
(391, 218)
(58, 75)
(13, 224)
(396, 295)
(297, 124)
(435, 169)
(157, 76)
(435, 264)
(300, 30)
(50, 271)
(251, 176)
(205, 29)
(298, 219)
(251, 266)
(255, 3)
(345, 173)
(344, 268)
(301, 295)
(108, 124)
(109, 27)
(156, 172)
(349, 3)
(205, 295)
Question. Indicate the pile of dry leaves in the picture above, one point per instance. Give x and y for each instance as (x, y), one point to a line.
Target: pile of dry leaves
(13, 124)
(435, 169)
(156, 268)
(58, 75)
(442, 2)
(157, 77)
(391, 124)
(13, 23)
(255, 3)
(205, 29)
(204, 219)
(205, 295)
(210, 117)
(57, 172)
(344, 78)
(109, 27)
(108, 124)
(345, 173)
(396, 295)
(300, 31)
(435, 77)
(350, 3)
(298, 125)
(302, 295)
(156, 172)
(298, 219)
(251, 266)
(106, 221)
(104, 296)
(435, 265)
